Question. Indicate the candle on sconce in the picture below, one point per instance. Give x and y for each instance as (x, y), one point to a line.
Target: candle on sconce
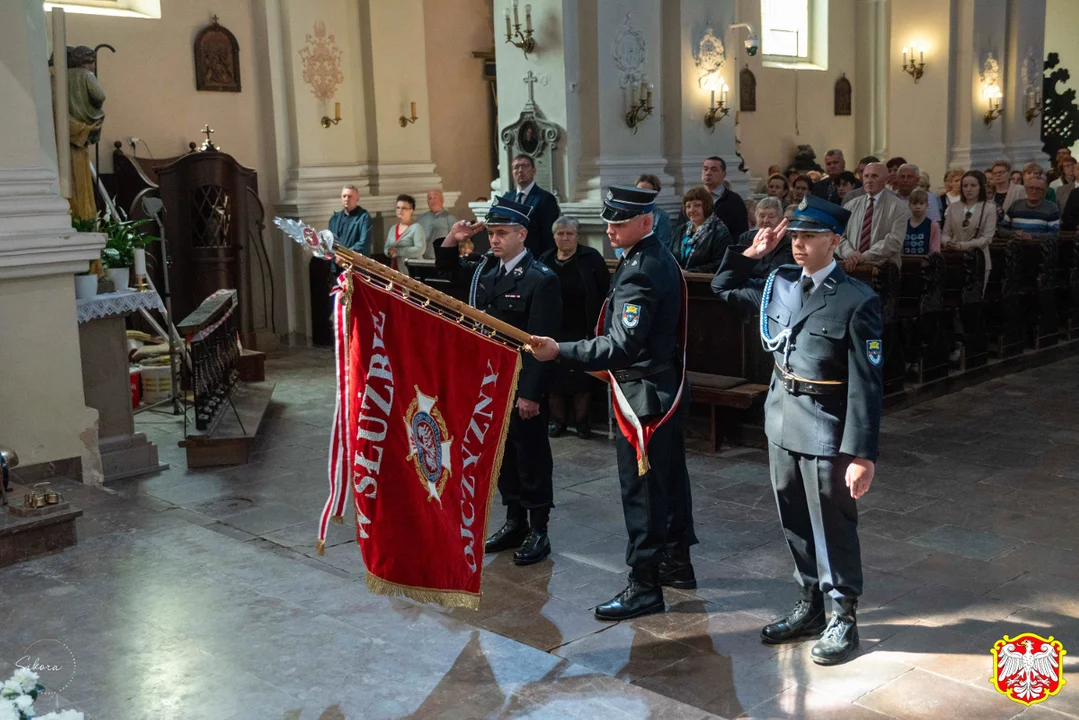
(633, 94)
(921, 55)
(904, 55)
(337, 111)
(508, 30)
(413, 109)
(516, 18)
(724, 95)
(712, 105)
(528, 18)
(649, 102)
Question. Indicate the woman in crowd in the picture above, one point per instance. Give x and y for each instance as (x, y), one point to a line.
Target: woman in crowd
(585, 280)
(662, 225)
(698, 245)
(406, 239)
(1065, 183)
(778, 188)
(769, 213)
(800, 188)
(751, 213)
(1017, 177)
(951, 190)
(971, 222)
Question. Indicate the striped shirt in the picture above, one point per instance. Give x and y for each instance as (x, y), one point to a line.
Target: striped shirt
(1044, 218)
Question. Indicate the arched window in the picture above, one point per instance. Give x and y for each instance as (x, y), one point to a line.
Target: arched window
(117, 8)
(794, 34)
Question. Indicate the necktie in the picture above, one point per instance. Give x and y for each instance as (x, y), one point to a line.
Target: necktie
(500, 274)
(807, 288)
(867, 227)
(520, 197)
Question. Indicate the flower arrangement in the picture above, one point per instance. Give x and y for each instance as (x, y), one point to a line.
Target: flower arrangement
(17, 697)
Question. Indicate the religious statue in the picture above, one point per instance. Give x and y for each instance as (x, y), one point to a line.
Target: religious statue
(85, 99)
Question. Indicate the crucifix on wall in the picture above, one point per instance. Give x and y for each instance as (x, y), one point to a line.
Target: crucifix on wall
(534, 136)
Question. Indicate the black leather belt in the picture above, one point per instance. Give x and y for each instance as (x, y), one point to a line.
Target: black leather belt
(640, 373)
(800, 386)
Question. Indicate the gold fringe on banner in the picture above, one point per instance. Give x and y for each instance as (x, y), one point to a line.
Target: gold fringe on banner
(339, 519)
(445, 598)
(321, 548)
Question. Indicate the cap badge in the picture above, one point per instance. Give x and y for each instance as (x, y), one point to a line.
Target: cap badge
(803, 205)
(610, 196)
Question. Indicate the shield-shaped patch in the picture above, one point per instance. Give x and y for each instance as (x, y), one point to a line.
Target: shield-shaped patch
(631, 315)
(874, 350)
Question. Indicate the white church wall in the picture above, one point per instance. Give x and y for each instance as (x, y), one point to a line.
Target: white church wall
(796, 107)
(918, 112)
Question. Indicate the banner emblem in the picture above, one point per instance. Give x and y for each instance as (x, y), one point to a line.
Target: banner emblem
(1028, 668)
(429, 444)
(874, 351)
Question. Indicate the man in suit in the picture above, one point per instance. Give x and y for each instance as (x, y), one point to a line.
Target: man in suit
(642, 345)
(822, 415)
(544, 206)
(828, 188)
(878, 223)
(727, 205)
(510, 284)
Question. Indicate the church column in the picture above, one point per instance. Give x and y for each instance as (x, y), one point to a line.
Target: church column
(1025, 62)
(324, 52)
(977, 64)
(43, 413)
(872, 19)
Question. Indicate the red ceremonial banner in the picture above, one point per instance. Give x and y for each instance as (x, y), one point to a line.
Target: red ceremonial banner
(423, 410)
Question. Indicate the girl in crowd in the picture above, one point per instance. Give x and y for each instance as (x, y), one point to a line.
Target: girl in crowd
(923, 235)
(951, 190)
(971, 222)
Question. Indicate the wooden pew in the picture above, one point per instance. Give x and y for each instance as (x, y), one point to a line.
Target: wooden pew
(884, 279)
(926, 327)
(1003, 300)
(1038, 262)
(964, 279)
(1067, 291)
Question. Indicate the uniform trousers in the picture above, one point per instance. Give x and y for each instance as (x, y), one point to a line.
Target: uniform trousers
(820, 521)
(658, 506)
(527, 466)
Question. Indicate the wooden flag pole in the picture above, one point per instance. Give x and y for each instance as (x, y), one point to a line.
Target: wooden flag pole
(488, 326)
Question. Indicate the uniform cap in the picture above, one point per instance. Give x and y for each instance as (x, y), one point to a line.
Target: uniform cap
(508, 212)
(816, 215)
(622, 204)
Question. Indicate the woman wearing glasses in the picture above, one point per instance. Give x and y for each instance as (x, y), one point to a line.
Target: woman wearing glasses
(970, 223)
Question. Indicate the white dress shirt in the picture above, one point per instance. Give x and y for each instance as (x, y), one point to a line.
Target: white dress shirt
(509, 265)
(820, 275)
(523, 192)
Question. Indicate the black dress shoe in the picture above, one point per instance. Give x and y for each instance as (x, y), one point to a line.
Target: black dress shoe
(839, 641)
(535, 547)
(555, 430)
(642, 596)
(509, 536)
(675, 571)
(584, 432)
(806, 620)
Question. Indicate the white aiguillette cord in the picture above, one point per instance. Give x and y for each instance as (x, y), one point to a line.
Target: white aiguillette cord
(780, 341)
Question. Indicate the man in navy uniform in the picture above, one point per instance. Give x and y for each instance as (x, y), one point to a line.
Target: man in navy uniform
(822, 416)
(642, 344)
(511, 285)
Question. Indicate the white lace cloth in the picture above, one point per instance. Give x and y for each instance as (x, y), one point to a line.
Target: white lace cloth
(116, 303)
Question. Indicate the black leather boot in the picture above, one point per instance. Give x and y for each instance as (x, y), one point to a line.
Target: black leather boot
(510, 535)
(675, 571)
(555, 429)
(536, 545)
(840, 638)
(806, 620)
(642, 596)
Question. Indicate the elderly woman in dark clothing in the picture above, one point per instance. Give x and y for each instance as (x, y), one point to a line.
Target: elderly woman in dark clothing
(585, 280)
(769, 213)
(698, 245)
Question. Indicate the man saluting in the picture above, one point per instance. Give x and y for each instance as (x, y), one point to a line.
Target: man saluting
(642, 343)
(511, 285)
(822, 416)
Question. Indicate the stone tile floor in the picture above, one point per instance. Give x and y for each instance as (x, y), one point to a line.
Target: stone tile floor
(200, 595)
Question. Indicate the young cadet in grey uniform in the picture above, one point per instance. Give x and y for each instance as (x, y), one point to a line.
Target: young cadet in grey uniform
(511, 285)
(822, 415)
(641, 344)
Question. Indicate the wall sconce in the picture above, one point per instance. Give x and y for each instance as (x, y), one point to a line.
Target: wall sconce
(406, 120)
(717, 111)
(327, 121)
(1034, 104)
(516, 38)
(993, 96)
(640, 105)
(915, 70)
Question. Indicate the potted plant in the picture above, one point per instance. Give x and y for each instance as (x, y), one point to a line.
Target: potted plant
(124, 241)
